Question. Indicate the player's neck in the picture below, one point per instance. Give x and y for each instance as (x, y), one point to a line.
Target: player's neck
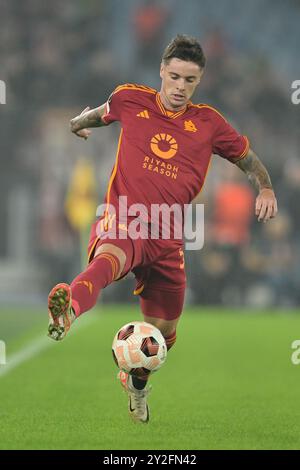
(168, 105)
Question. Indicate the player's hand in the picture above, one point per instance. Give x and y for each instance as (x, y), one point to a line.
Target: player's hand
(76, 125)
(266, 205)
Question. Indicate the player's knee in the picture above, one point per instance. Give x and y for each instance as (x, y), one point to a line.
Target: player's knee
(116, 252)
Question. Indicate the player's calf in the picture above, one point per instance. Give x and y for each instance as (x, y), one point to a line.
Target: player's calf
(170, 340)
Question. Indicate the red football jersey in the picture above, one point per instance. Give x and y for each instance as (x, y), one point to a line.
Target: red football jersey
(162, 156)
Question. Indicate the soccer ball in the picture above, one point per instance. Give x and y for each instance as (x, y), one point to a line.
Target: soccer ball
(139, 348)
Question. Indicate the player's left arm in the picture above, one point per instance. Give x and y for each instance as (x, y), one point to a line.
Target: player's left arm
(88, 118)
(266, 203)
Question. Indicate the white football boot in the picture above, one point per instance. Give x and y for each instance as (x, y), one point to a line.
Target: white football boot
(137, 399)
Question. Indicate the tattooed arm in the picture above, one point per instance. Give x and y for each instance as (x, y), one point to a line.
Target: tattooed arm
(266, 204)
(88, 118)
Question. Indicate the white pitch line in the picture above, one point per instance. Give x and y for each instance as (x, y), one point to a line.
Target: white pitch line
(35, 347)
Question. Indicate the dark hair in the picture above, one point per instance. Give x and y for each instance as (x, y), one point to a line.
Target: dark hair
(185, 48)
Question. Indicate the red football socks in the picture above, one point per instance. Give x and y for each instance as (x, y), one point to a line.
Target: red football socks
(87, 285)
(170, 340)
(141, 382)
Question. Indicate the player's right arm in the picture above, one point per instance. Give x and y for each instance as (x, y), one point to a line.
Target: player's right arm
(104, 115)
(88, 118)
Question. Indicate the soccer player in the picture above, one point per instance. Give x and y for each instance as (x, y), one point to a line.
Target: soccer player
(165, 146)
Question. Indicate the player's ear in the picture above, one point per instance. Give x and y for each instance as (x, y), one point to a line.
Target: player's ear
(200, 77)
(161, 72)
(201, 74)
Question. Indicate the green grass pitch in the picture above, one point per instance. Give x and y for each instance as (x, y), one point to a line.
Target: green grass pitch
(228, 383)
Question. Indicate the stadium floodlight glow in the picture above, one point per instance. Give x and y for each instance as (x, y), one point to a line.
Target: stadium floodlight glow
(2, 92)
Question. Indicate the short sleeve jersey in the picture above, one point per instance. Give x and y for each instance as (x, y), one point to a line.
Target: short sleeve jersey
(162, 156)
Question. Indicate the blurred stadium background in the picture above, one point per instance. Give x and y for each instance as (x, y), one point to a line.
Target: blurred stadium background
(56, 58)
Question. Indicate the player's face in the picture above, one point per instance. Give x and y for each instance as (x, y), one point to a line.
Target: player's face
(179, 81)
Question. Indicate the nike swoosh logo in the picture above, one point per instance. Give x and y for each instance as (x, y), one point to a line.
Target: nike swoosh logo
(131, 409)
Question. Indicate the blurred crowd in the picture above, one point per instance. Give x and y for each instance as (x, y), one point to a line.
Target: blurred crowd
(58, 57)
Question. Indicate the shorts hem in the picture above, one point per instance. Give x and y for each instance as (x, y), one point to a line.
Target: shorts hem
(164, 288)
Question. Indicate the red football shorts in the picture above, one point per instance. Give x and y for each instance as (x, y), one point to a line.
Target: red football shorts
(158, 266)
